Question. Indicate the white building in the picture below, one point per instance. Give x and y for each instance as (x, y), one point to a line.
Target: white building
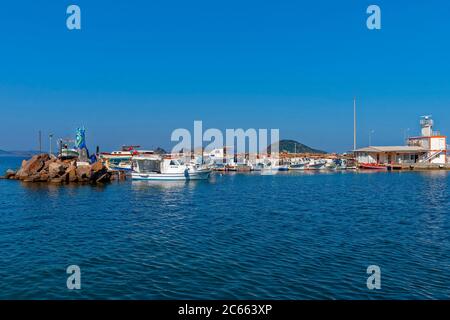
(428, 148)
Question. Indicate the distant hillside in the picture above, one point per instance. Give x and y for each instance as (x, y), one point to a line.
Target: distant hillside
(292, 146)
(4, 153)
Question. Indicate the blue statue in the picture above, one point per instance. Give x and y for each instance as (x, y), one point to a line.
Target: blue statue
(80, 140)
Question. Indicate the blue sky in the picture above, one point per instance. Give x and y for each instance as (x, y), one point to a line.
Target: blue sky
(135, 72)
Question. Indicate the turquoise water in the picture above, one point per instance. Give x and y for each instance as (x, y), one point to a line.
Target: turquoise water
(241, 236)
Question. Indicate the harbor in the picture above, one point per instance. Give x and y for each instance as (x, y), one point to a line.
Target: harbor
(294, 235)
(427, 151)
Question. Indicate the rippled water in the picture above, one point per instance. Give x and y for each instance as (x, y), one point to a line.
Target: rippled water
(242, 236)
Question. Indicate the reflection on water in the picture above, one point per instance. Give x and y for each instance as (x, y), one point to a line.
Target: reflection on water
(169, 184)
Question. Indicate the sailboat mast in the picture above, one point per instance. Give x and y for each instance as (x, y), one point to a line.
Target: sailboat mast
(354, 123)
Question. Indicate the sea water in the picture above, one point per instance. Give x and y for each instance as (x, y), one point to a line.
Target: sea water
(237, 236)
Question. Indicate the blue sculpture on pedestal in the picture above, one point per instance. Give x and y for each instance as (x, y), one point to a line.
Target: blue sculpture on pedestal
(80, 140)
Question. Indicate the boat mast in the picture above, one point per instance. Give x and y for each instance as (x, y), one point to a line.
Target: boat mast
(354, 123)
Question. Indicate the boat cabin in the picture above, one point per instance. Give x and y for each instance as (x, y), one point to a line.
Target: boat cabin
(157, 164)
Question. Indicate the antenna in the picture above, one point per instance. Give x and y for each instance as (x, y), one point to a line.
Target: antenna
(354, 123)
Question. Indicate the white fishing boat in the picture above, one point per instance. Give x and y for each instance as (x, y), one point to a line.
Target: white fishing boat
(121, 160)
(299, 164)
(316, 164)
(156, 167)
(65, 151)
(68, 153)
(275, 164)
(269, 167)
(281, 167)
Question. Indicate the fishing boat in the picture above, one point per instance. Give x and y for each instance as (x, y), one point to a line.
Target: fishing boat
(121, 160)
(281, 167)
(297, 166)
(316, 165)
(372, 166)
(269, 168)
(277, 165)
(157, 167)
(67, 150)
(68, 153)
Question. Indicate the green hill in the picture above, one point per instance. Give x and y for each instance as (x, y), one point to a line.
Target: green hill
(292, 146)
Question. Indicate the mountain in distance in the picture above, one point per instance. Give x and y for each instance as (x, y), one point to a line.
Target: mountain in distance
(292, 146)
(28, 153)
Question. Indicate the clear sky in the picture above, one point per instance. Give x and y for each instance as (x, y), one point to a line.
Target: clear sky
(139, 69)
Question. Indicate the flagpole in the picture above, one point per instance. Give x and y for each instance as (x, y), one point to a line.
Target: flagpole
(354, 123)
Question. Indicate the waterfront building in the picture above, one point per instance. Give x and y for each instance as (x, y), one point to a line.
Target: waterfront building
(430, 148)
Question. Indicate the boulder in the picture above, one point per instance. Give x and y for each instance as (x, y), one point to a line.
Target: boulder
(47, 164)
(43, 168)
(71, 173)
(83, 173)
(43, 176)
(96, 167)
(56, 169)
(98, 172)
(33, 178)
(31, 167)
(56, 181)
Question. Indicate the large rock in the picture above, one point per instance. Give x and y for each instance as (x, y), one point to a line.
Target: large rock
(98, 166)
(43, 176)
(99, 173)
(56, 180)
(33, 178)
(43, 168)
(47, 164)
(56, 169)
(71, 174)
(83, 173)
(33, 166)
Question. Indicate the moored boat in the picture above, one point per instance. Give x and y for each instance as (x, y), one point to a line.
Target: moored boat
(156, 167)
(372, 166)
(297, 166)
(121, 160)
(316, 165)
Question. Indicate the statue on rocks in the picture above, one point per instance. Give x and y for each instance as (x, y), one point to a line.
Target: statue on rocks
(80, 144)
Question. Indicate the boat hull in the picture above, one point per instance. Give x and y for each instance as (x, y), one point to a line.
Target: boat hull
(371, 166)
(315, 167)
(297, 167)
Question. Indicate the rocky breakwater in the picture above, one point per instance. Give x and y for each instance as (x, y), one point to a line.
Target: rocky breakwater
(49, 169)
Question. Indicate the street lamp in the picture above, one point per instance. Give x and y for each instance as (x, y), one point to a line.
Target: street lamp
(50, 136)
